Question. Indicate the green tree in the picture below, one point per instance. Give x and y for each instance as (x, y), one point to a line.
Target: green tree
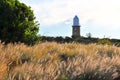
(17, 22)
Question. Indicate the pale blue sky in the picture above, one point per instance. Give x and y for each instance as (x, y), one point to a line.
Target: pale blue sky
(99, 17)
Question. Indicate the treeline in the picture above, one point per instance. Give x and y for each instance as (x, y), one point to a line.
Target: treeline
(83, 40)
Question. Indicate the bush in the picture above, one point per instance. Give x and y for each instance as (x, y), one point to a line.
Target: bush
(104, 42)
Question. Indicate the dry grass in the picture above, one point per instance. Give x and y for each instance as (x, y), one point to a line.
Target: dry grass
(53, 61)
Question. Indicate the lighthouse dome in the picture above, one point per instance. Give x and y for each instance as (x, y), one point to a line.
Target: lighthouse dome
(76, 21)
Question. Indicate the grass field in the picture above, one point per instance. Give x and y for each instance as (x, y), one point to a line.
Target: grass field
(54, 61)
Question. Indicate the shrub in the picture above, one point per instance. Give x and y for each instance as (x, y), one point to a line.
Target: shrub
(104, 42)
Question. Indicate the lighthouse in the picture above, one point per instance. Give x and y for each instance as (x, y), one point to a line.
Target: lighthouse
(76, 27)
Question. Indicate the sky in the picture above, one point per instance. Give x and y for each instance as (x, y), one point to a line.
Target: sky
(101, 18)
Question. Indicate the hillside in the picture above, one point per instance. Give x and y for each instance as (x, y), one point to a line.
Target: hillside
(54, 61)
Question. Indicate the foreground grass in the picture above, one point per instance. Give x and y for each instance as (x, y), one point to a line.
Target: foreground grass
(53, 61)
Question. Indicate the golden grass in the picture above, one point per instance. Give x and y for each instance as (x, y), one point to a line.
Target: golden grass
(53, 61)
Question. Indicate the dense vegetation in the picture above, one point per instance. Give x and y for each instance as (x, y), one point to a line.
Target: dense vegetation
(83, 40)
(17, 22)
(53, 61)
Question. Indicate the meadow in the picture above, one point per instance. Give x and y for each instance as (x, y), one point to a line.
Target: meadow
(55, 61)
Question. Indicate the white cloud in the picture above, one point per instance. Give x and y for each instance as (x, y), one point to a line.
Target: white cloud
(101, 12)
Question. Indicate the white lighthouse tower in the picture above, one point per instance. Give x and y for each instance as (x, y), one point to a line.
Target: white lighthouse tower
(76, 27)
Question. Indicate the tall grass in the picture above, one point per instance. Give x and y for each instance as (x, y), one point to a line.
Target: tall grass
(53, 61)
